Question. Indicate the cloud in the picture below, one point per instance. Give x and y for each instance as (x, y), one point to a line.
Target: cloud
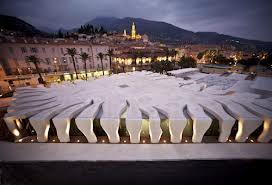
(244, 18)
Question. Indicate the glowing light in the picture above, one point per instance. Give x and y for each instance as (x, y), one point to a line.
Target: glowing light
(143, 141)
(20, 140)
(186, 141)
(164, 141)
(230, 140)
(252, 141)
(16, 132)
(125, 141)
(18, 123)
(67, 128)
(54, 140)
(78, 140)
(103, 141)
(32, 140)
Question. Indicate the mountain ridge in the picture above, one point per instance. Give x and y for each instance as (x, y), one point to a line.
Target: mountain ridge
(12, 23)
(169, 33)
(156, 30)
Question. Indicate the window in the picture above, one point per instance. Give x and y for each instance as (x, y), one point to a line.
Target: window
(10, 50)
(47, 60)
(98, 66)
(23, 49)
(88, 49)
(61, 50)
(81, 50)
(34, 50)
(77, 66)
(91, 66)
(106, 65)
(43, 49)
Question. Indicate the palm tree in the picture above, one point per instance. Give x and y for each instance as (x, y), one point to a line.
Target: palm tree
(72, 52)
(110, 53)
(175, 53)
(35, 60)
(84, 56)
(140, 55)
(167, 53)
(101, 57)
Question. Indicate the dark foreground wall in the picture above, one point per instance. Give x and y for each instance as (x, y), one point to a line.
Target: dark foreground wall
(162, 172)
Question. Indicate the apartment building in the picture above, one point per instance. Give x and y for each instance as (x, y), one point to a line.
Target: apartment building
(52, 55)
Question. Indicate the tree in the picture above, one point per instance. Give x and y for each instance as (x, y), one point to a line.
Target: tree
(210, 55)
(161, 66)
(140, 55)
(166, 65)
(60, 34)
(72, 52)
(101, 57)
(156, 67)
(220, 59)
(102, 30)
(175, 53)
(123, 66)
(167, 53)
(253, 61)
(34, 60)
(200, 55)
(67, 35)
(110, 54)
(267, 61)
(187, 62)
(84, 56)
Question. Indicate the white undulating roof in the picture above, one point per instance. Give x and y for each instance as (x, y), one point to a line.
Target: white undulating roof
(141, 92)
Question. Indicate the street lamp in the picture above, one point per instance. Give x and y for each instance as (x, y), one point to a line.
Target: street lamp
(55, 62)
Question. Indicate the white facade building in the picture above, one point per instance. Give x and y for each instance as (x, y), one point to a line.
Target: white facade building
(51, 54)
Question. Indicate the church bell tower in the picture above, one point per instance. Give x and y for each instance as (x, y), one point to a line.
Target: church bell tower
(133, 31)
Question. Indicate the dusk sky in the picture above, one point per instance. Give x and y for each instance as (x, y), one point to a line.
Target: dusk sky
(244, 18)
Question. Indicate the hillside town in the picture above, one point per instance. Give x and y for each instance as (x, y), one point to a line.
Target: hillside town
(113, 53)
